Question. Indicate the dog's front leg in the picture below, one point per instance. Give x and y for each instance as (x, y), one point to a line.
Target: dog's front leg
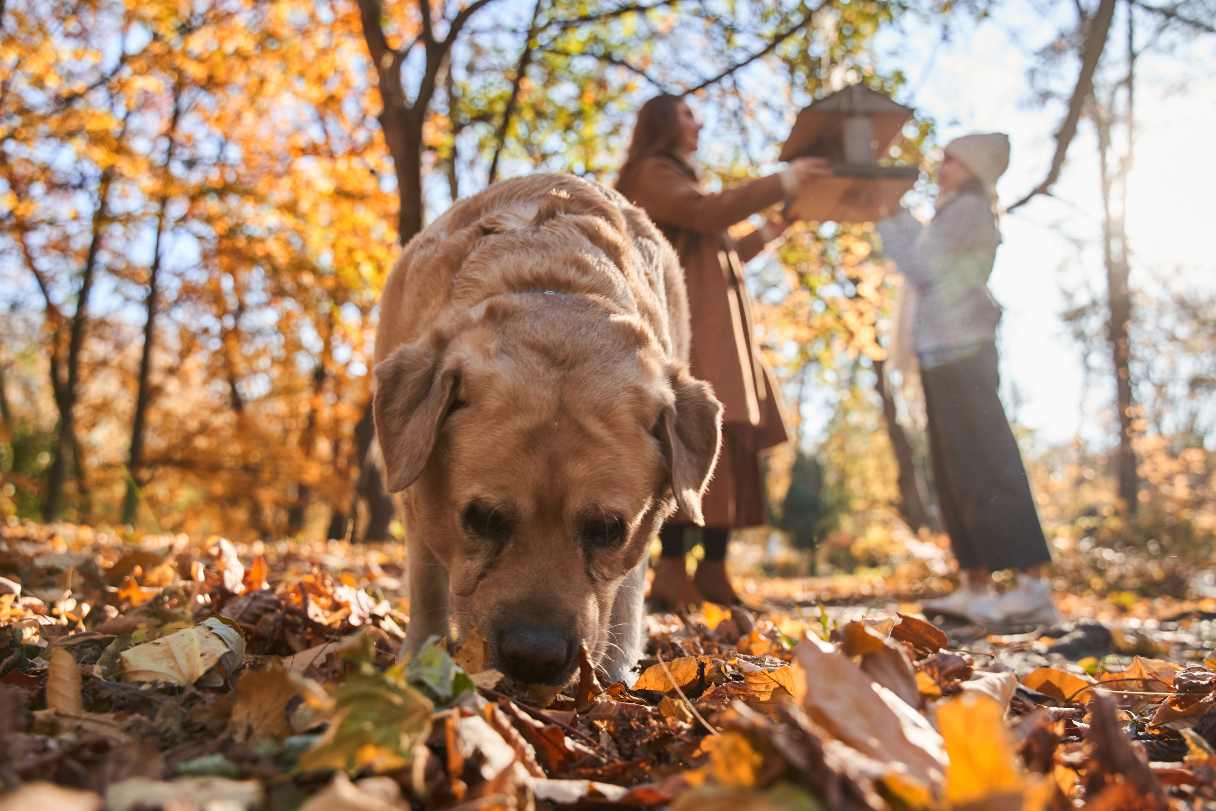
(428, 597)
(627, 631)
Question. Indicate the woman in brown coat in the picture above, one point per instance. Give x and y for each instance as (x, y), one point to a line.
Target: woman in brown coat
(659, 177)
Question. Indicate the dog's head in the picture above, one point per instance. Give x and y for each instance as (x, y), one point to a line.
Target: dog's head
(545, 438)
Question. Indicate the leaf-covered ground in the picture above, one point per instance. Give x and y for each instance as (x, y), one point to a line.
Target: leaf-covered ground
(179, 673)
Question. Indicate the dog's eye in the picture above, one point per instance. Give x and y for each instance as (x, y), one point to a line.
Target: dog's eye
(488, 521)
(598, 529)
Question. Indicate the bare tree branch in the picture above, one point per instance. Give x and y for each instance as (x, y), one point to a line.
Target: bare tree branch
(613, 13)
(781, 37)
(437, 52)
(428, 30)
(610, 59)
(1172, 14)
(1094, 43)
(387, 61)
(521, 69)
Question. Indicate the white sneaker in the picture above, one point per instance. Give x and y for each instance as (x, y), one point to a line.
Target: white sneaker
(960, 603)
(1027, 603)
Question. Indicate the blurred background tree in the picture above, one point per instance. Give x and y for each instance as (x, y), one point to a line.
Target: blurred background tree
(199, 202)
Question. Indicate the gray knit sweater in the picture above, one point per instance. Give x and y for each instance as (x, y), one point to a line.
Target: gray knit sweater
(948, 262)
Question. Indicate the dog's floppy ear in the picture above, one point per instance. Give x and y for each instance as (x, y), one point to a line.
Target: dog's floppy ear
(414, 392)
(690, 431)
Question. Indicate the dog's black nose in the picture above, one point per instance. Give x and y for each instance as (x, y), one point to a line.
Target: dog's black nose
(534, 654)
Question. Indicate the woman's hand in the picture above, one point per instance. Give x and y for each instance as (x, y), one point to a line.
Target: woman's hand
(776, 225)
(802, 171)
(807, 169)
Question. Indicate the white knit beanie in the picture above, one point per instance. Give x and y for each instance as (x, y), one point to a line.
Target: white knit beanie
(985, 154)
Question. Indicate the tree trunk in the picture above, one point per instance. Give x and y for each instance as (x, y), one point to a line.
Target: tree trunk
(1113, 175)
(911, 506)
(143, 396)
(6, 411)
(308, 437)
(403, 131)
(67, 390)
(370, 486)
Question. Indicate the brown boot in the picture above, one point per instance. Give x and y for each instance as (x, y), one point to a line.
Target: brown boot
(714, 583)
(672, 588)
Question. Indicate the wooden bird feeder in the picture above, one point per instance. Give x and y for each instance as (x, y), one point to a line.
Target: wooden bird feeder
(852, 128)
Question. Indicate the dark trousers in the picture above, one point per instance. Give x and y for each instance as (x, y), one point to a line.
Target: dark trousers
(981, 483)
(713, 541)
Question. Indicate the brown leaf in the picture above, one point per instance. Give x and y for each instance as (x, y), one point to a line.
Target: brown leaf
(866, 716)
(126, 565)
(889, 666)
(922, 635)
(860, 639)
(63, 683)
(472, 653)
(260, 707)
(588, 685)
(1115, 757)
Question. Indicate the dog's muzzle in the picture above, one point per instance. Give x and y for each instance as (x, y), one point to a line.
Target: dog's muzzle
(536, 654)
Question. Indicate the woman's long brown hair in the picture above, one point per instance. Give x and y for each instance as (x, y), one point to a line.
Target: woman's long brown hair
(656, 132)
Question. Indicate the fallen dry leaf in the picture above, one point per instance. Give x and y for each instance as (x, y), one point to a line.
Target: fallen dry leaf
(982, 766)
(49, 797)
(204, 793)
(63, 683)
(920, 634)
(260, 708)
(184, 656)
(1061, 685)
(368, 794)
(666, 676)
(1000, 687)
(866, 716)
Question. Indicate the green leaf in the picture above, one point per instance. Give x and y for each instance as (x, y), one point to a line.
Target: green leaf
(433, 670)
(377, 720)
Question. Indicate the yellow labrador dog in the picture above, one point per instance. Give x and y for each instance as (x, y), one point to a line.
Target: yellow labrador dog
(534, 404)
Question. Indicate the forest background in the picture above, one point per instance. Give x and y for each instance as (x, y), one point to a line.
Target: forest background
(200, 199)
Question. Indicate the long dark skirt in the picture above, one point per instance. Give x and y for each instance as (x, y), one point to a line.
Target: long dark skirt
(981, 483)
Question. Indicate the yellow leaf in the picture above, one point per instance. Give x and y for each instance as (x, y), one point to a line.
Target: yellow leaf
(714, 614)
(134, 594)
(683, 671)
(756, 644)
(764, 683)
(1059, 684)
(732, 760)
(63, 683)
(982, 764)
(911, 793)
(926, 685)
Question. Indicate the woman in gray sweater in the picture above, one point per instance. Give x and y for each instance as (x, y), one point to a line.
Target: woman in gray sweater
(981, 483)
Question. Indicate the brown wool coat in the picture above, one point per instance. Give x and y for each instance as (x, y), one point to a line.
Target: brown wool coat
(724, 350)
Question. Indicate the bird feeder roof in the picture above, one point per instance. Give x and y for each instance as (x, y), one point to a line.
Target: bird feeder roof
(822, 123)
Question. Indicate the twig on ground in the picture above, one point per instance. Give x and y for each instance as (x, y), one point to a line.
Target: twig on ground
(695, 712)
